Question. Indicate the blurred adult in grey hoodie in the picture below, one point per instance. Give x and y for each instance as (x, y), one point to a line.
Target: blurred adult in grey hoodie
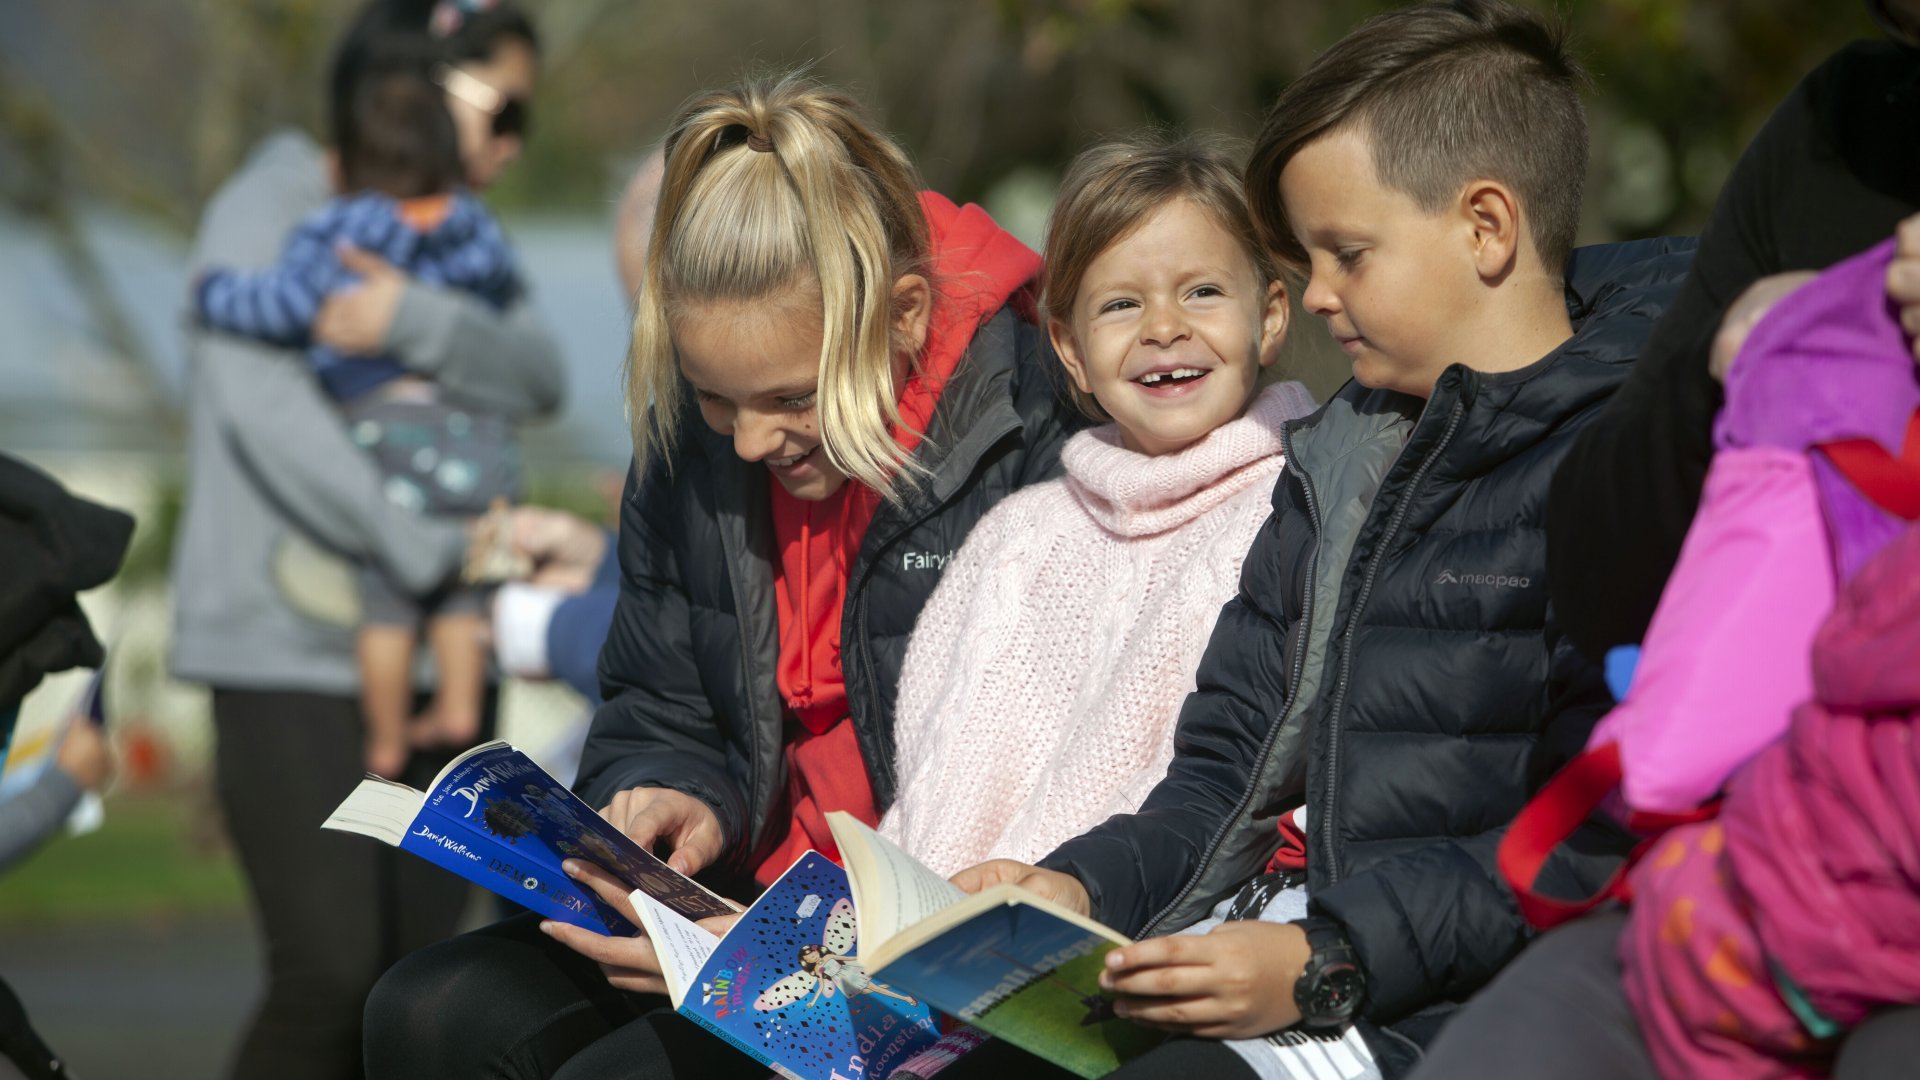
(281, 506)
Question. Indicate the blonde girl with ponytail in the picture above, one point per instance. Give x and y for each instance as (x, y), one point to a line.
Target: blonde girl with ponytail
(834, 375)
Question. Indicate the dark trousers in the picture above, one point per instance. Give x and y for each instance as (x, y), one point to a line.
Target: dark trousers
(506, 1002)
(1560, 1011)
(334, 910)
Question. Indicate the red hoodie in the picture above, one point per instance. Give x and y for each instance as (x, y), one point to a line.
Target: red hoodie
(978, 268)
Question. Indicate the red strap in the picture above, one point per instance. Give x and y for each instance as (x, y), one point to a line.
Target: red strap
(1546, 822)
(1893, 484)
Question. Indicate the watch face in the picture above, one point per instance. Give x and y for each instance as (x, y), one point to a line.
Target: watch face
(1336, 992)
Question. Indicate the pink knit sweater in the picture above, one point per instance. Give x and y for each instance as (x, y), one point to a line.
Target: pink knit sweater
(1043, 679)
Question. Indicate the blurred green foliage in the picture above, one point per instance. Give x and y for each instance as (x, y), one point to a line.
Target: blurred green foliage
(145, 861)
(980, 90)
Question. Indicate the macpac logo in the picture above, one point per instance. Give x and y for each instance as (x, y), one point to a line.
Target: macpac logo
(925, 560)
(1498, 581)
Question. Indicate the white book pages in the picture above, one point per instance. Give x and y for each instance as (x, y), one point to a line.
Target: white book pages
(378, 808)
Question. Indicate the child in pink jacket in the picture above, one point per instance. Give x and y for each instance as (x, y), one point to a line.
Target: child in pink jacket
(1044, 677)
(1758, 938)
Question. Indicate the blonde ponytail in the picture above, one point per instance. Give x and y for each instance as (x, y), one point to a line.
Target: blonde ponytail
(771, 188)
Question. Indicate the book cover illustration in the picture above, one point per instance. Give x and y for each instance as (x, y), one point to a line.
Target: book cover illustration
(1028, 976)
(496, 818)
(786, 986)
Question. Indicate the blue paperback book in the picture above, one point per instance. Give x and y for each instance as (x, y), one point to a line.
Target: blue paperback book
(786, 985)
(496, 818)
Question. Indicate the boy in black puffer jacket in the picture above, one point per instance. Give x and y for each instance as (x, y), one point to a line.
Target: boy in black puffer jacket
(1390, 681)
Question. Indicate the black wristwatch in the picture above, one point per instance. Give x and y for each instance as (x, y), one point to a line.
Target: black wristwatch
(1332, 987)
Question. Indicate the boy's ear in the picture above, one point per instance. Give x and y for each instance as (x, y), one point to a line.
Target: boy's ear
(1068, 350)
(1273, 323)
(912, 311)
(1493, 213)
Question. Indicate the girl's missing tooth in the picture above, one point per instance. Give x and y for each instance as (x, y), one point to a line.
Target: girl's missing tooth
(1043, 680)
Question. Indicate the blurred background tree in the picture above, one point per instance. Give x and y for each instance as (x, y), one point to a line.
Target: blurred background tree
(152, 105)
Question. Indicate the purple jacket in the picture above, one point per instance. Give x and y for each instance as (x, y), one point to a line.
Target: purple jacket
(1797, 912)
(1837, 367)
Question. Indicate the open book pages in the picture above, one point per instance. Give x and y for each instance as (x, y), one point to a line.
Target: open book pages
(682, 945)
(1014, 965)
(911, 904)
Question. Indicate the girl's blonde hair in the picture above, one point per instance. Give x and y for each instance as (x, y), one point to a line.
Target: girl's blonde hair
(772, 188)
(1111, 189)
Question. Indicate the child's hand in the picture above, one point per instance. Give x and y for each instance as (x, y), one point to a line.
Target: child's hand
(651, 815)
(1903, 280)
(566, 550)
(1745, 313)
(355, 321)
(629, 963)
(84, 755)
(1062, 889)
(1234, 982)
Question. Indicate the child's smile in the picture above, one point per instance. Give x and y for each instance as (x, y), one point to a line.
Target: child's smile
(1170, 328)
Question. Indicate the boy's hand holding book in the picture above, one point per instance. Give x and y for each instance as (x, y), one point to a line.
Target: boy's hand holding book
(1233, 982)
(650, 815)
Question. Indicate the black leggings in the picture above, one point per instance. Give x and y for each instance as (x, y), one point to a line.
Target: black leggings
(508, 1002)
(335, 910)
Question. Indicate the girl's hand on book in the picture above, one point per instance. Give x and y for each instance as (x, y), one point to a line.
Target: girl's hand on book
(651, 815)
(1062, 889)
(629, 963)
(1234, 982)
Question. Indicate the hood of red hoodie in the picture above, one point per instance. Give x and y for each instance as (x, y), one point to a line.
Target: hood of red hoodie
(978, 268)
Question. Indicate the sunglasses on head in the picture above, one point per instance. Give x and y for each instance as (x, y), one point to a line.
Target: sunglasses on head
(510, 115)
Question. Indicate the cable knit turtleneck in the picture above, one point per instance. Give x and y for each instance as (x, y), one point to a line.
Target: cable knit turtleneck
(1044, 677)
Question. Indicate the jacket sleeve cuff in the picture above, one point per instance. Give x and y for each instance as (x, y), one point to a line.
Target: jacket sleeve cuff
(1398, 983)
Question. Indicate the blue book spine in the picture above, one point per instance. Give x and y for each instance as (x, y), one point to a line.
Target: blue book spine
(503, 795)
(527, 876)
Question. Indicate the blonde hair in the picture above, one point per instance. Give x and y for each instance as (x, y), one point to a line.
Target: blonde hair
(1111, 189)
(772, 186)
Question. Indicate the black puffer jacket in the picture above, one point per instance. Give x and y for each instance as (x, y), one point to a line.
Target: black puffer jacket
(1391, 661)
(688, 667)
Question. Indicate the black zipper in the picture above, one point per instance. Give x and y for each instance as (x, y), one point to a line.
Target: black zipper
(858, 591)
(1293, 688)
(755, 824)
(1353, 624)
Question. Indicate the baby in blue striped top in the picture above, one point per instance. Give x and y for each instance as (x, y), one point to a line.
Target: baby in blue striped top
(404, 200)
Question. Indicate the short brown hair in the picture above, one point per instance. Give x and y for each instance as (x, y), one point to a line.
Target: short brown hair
(1443, 93)
(1111, 189)
(400, 139)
